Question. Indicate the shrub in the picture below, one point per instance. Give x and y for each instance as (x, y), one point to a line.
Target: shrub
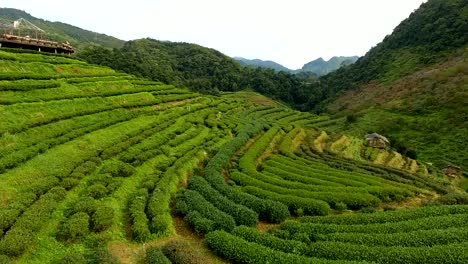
(137, 205)
(238, 250)
(84, 204)
(181, 252)
(103, 218)
(117, 168)
(4, 259)
(8, 217)
(201, 224)
(269, 240)
(69, 183)
(310, 206)
(102, 256)
(16, 241)
(154, 255)
(196, 202)
(340, 206)
(97, 191)
(389, 216)
(74, 259)
(452, 199)
(241, 214)
(74, 227)
(160, 224)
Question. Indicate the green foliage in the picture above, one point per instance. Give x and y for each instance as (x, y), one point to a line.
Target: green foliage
(241, 214)
(103, 218)
(75, 227)
(388, 216)
(74, 259)
(451, 198)
(137, 206)
(439, 222)
(181, 252)
(4, 259)
(102, 256)
(271, 241)
(200, 224)
(196, 202)
(198, 68)
(97, 191)
(117, 168)
(272, 211)
(154, 255)
(453, 253)
(238, 250)
(419, 238)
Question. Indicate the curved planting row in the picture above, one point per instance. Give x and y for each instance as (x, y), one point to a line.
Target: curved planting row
(430, 237)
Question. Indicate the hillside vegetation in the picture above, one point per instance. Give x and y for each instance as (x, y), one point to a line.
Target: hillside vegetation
(104, 167)
(198, 68)
(410, 87)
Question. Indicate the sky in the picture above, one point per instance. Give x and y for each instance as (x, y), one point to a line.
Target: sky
(290, 32)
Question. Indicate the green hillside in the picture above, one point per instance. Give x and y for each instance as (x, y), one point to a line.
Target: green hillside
(428, 36)
(104, 167)
(61, 32)
(410, 87)
(198, 68)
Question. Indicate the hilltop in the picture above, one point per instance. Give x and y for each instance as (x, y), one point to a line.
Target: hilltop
(61, 32)
(317, 67)
(322, 67)
(262, 64)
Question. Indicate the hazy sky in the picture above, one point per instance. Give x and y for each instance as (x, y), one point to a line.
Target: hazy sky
(290, 32)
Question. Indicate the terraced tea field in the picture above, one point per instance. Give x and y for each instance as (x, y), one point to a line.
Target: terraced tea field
(102, 167)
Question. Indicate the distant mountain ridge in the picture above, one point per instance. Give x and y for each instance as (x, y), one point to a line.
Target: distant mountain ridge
(319, 66)
(59, 31)
(262, 64)
(322, 67)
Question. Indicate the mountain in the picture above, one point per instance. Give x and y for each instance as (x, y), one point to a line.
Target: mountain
(61, 32)
(318, 67)
(262, 64)
(322, 67)
(410, 87)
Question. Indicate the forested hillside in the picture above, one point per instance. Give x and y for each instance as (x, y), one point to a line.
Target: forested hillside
(429, 35)
(411, 87)
(198, 68)
(61, 32)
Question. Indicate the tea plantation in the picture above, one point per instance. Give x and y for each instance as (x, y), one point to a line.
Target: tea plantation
(102, 167)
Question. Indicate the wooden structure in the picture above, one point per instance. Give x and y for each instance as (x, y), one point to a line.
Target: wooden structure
(377, 141)
(18, 36)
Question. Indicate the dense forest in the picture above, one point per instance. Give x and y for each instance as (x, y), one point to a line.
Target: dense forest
(198, 68)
